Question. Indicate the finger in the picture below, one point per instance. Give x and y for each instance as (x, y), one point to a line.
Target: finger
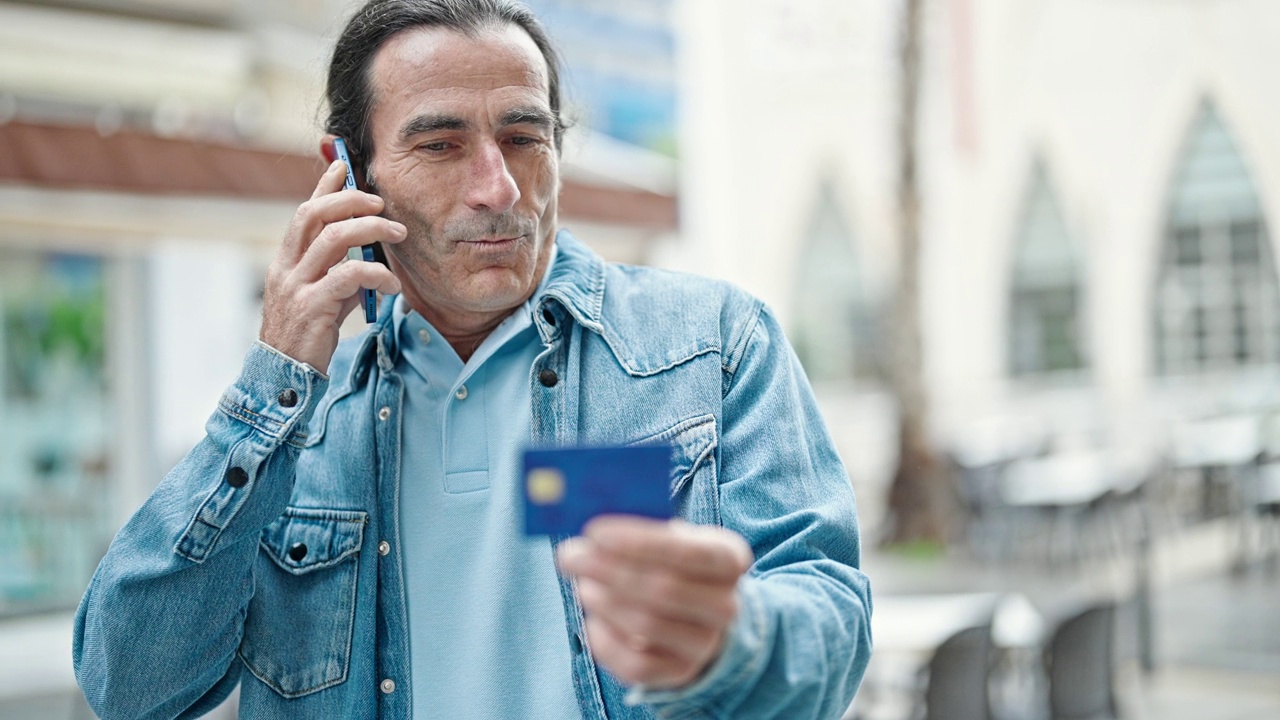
(348, 304)
(647, 630)
(662, 591)
(331, 180)
(653, 669)
(707, 552)
(313, 215)
(347, 279)
(331, 245)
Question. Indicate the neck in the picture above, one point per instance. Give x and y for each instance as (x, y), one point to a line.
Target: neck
(464, 332)
(465, 345)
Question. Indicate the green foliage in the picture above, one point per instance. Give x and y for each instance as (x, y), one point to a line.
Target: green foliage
(921, 550)
(66, 321)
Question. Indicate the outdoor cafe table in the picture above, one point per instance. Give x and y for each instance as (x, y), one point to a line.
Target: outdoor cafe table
(907, 629)
(1068, 488)
(1214, 449)
(1058, 481)
(918, 624)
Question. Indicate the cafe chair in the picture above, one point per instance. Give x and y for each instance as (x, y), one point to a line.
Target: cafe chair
(1080, 665)
(957, 678)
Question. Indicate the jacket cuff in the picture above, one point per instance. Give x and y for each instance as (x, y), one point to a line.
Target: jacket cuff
(727, 679)
(275, 394)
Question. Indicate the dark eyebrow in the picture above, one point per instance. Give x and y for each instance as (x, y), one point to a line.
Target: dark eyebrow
(528, 115)
(432, 123)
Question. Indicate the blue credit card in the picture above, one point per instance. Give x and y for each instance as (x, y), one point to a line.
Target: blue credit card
(566, 487)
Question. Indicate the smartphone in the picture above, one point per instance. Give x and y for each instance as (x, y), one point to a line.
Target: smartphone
(368, 253)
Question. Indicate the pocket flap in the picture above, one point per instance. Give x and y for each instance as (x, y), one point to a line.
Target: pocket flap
(306, 539)
(320, 418)
(692, 442)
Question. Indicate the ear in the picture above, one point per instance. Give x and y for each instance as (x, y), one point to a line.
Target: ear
(326, 148)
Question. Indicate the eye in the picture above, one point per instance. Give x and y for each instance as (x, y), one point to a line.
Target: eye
(435, 147)
(522, 140)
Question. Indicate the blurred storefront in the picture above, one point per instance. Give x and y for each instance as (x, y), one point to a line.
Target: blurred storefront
(151, 154)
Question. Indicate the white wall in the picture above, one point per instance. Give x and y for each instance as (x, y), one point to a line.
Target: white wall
(774, 95)
(202, 301)
(1105, 91)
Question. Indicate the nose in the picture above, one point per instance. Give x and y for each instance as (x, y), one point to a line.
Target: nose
(490, 185)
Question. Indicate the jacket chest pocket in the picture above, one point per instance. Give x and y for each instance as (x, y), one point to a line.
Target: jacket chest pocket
(695, 492)
(297, 633)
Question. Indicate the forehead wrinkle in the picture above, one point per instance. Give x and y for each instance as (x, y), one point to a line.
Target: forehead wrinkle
(428, 64)
(485, 55)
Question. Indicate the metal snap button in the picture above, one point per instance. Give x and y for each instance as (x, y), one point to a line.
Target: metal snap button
(298, 552)
(548, 377)
(387, 686)
(462, 393)
(384, 413)
(288, 398)
(237, 477)
(384, 548)
(424, 336)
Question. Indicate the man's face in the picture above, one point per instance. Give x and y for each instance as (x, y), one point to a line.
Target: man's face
(464, 157)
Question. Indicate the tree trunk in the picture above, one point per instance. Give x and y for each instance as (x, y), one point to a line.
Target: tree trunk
(921, 500)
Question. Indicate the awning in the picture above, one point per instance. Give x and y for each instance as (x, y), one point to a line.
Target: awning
(130, 161)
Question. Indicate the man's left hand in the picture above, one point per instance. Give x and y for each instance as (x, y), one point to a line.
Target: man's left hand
(659, 596)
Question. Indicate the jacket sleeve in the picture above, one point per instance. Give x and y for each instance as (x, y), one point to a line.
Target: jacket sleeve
(802, 637)
(157, 631)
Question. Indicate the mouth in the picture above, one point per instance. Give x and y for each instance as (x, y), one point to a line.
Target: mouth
(492, 244)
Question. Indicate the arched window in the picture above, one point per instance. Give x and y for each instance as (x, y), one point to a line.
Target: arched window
(1045, 328)
(833, 328)
(1216, 304)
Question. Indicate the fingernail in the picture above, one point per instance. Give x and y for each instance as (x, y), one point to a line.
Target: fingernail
(603, 531)
(570, 554)
(593, 526)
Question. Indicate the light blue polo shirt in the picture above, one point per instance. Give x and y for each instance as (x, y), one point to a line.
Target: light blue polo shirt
(487, 627)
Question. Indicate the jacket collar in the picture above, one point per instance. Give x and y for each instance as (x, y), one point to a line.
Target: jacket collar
(577, 282)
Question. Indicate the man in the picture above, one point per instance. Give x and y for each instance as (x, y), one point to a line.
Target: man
(344, 544)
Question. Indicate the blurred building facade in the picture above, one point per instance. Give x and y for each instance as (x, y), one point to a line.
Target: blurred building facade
(1097, 181)
(1098, 178)
(151, 154)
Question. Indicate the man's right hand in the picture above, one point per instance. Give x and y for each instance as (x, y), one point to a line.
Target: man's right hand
(308, 294)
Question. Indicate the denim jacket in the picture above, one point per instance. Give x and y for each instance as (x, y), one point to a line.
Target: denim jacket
(268, 556)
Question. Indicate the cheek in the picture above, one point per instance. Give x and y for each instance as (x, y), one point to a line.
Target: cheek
(542, 178)
(418, 211)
